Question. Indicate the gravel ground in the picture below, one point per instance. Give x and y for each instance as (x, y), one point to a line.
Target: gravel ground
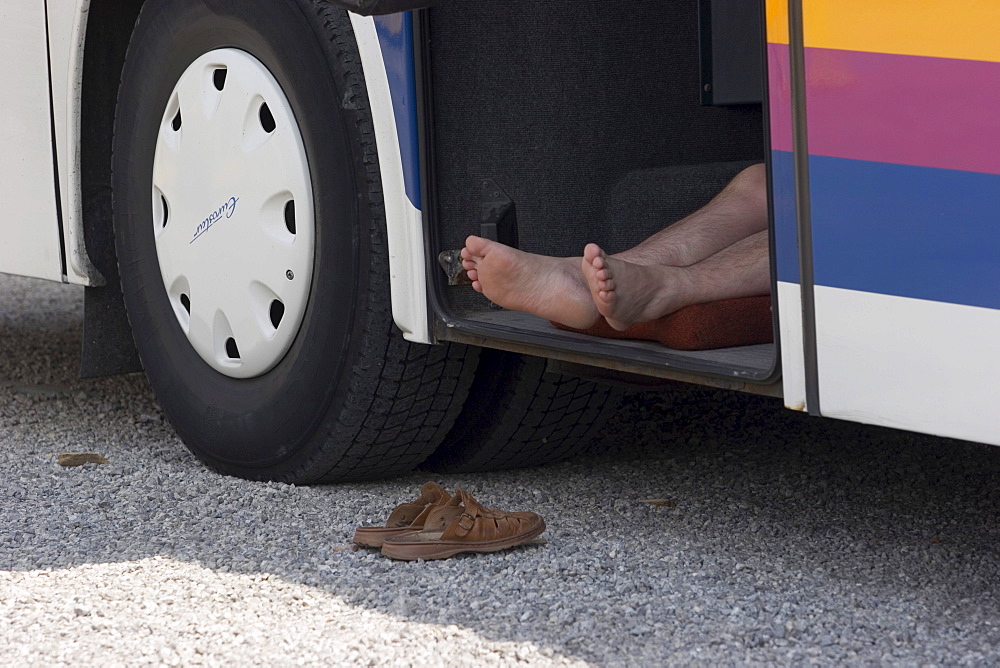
(784, 539)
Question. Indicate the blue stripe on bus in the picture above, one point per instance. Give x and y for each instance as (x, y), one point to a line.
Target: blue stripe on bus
(395, 37)
(906, 231)
(786, 233)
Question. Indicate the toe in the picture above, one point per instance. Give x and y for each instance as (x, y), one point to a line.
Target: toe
(617, 324)
(476, 245)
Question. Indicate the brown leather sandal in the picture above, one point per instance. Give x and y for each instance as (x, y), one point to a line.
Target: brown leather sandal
(406, 517)
(462, 525)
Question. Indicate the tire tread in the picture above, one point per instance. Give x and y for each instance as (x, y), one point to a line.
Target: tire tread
(534, 417)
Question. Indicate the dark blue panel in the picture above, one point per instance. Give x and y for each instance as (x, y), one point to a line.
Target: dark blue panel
(395, 36)
(906, 231)
(786, 233)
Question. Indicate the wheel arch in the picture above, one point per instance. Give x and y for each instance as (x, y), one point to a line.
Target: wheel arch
(385, 45)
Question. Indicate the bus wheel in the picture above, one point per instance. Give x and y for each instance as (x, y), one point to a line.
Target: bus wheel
(520, 415)
(251, 241)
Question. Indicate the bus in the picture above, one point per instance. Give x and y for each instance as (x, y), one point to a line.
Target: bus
(264, 201)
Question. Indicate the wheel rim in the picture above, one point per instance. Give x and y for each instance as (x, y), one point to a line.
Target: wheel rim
(233, 213)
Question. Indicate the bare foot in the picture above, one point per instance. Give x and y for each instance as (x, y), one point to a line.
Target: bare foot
(550, 287)
(626, 293)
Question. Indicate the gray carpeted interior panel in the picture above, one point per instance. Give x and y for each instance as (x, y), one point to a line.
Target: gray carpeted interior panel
(590, 119)
(562, 103)
(755, 359)
(645, 201)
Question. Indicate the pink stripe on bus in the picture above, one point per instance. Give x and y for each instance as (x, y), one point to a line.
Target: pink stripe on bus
(779, 85)
(908, 110)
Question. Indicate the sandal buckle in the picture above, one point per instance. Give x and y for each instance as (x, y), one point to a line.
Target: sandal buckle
(461, 520)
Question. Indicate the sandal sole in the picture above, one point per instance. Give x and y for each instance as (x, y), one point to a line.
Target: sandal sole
(375, 536)
(436, 549)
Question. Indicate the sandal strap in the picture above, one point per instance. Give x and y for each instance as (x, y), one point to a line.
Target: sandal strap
(466, 522)
(416, 511)
(431, 492)
(464, 519)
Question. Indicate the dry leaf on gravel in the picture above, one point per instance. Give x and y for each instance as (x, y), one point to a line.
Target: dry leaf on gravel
(81, 458)
(660, 503)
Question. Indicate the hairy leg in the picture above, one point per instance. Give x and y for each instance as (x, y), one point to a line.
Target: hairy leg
(555, 289)
(736, 213)
(627, 293)
(550, 287)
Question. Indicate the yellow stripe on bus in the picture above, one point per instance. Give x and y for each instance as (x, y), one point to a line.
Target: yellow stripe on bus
(962, 29)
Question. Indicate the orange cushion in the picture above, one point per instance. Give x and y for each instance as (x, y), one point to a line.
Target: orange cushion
(724, 324)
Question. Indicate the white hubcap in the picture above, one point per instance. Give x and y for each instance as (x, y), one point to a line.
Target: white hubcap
(233, 213)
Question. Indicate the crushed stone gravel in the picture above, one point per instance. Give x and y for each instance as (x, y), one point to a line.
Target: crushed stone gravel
(779, 539)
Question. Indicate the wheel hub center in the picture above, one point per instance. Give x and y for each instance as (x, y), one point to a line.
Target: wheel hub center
(233, 214)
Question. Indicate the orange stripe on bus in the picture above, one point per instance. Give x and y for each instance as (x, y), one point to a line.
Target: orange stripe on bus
(777, 21)
(966, 30)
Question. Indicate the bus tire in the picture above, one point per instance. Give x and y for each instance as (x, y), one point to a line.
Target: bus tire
(520, 415)
(344, 396)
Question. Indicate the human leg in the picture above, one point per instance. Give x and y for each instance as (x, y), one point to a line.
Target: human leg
(555, 288)
(736, 213)
(628, 293)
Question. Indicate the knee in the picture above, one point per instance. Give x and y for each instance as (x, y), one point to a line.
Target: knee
(751, 179)
(751, 182)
